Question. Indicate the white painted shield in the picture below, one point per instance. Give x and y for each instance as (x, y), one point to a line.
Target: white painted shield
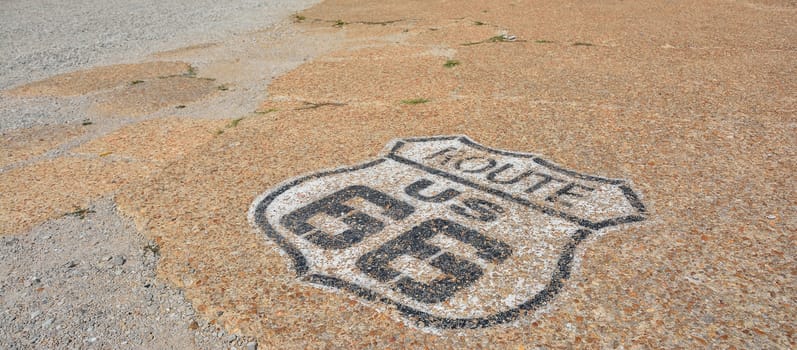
(450, 233)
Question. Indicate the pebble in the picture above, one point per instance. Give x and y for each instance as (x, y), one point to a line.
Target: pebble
(118, 260)
(771, 217)
(47, 322)
(251, 345)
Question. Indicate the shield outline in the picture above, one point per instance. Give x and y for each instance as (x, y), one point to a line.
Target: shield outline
(563, 265)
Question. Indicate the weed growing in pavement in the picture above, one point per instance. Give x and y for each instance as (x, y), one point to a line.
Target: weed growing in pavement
(543, 41)
(298, 18)
(80, 212)
(339, 23)
(314, 105)
(191, 73)
(235, 122)
(578, 43)
(415, 101)
(267, 111)
(136, 82)
(478, 23)
(502, 38)
(451, 63)
(222, 87)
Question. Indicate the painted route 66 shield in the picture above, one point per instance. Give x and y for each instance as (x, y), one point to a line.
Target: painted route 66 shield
(450, 233)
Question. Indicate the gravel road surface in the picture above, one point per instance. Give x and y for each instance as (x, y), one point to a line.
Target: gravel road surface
(40, 38)
(87, 280)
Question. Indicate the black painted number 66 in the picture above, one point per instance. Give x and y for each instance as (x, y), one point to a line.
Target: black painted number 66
(458, 272)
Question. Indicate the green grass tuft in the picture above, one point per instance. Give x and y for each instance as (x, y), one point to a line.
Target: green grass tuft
(80, 213)
(235, 122)
(578, 43)
(415, 101)
(267, 111)
(191, 72)
(451, 63)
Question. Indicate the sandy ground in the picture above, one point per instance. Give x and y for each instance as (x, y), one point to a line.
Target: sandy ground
(691, 103)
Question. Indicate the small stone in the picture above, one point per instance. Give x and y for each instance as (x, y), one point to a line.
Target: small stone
(92, 339)
(118, 260)
(231, 338)
(47, 322)
(251, 345)
(193, 325)
(771, 217)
